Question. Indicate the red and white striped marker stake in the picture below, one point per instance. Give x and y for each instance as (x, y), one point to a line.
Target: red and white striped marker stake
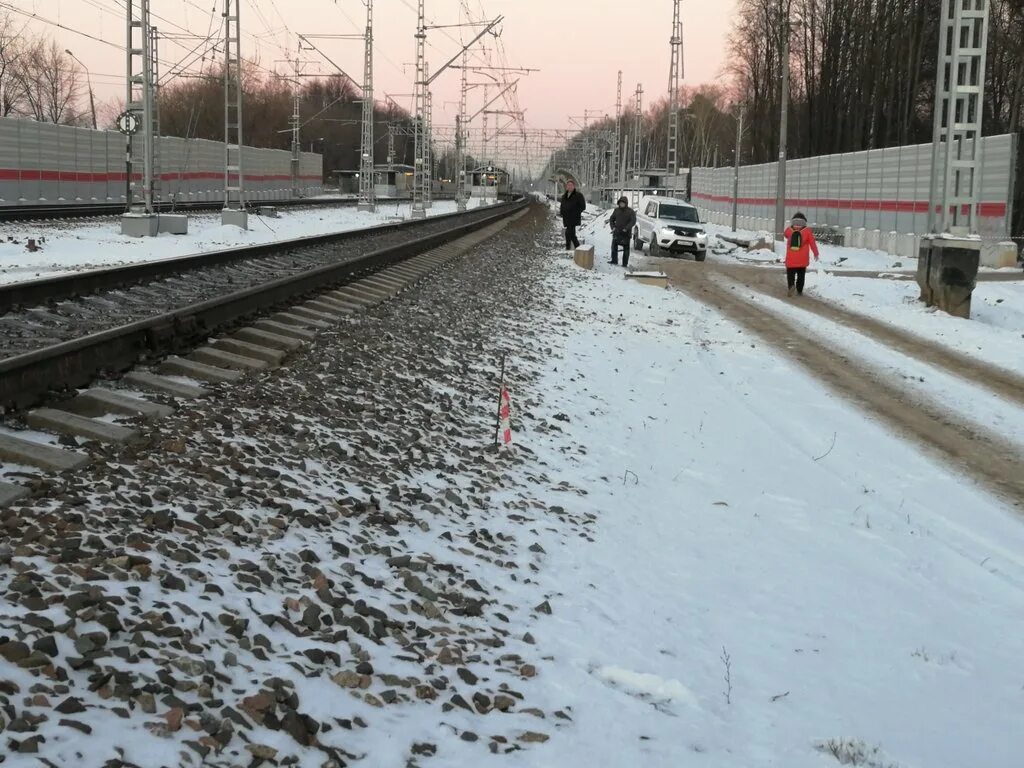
(505, 413)
(503, 424)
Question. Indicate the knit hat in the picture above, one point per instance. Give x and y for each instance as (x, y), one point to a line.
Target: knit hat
(799, 218)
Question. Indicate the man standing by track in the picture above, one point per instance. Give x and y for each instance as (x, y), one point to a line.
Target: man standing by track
(622, 221)
(571, 209)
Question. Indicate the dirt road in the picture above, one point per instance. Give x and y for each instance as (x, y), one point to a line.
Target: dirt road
(974, 450)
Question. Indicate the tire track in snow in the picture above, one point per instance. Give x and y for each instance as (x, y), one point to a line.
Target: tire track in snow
(984, 455)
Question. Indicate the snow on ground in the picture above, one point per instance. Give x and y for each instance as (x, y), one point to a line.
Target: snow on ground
(995, 332)
(75, 246)
(748, 600)
(835, 257)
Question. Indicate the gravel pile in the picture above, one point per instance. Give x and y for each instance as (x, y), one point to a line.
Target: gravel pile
(324, 565)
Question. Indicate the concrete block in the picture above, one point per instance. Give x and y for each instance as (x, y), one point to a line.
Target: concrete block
(584, 257)
(269, 212)
(892, 244)
(291, 318)
(140, 225)
(10, 493)
(369, 289)
(267, 339)
(999, 255)
(234, 218)
(947, 272)
(381, 280)
(287, 330)
(324, 306)
(346, 302)
(162, 385)
(221, 359)
(367, 207)
(19, 451)
(656, 279)
(245, 349)
(362, 297)
(179, 366)
(859, 237)
(327, 304)
(99, 402)
(64, 423)
(173, 223)
(908, 246)
(311, 314)
(872, 239)
(847, 233)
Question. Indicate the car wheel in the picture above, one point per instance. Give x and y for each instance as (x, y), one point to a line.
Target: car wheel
(638, 244)
(655, 248)
(700, 256)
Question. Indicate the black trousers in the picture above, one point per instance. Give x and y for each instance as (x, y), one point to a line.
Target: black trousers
(796, 275)
(571, 241)
(620, 241)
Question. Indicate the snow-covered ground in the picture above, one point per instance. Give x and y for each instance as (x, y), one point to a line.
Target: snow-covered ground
(995, 333)
(751, 595)
(839, 258)
(74, 246)
(705, 557)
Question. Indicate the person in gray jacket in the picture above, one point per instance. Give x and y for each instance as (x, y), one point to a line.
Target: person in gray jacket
(622, 221)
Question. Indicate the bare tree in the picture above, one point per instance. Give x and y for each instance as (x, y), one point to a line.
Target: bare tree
(12, 49)
(51, 84)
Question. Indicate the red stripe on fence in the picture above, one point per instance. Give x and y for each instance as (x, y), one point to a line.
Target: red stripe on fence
(986, 210)
(30, 174)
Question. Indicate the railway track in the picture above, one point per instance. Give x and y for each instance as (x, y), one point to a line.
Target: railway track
(58, 334)
(32, 212)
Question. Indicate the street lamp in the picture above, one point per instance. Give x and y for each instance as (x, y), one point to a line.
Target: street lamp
(88, 78)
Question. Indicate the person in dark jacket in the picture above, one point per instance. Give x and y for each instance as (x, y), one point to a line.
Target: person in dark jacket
(571, 209)
(622, 221)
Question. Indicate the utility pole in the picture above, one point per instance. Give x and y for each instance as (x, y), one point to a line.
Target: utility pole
(367, 192)
(780, 188)
(617, 147)
(460, 140)
(296, 126)
(638, 130)
(736, 169)
(674, 80)
(234, 212)
(140, 220)
(419, 210)
(88, 79)
(428, 146)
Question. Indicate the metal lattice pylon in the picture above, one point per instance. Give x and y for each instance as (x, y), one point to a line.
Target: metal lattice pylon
(367, 192)
(460, 140)
(419, 161)
(140, 100)
(959, 92)
(428, 148)
(675, 72)
(154, 68)
(234, 179)
(617, 148)
(638, 129)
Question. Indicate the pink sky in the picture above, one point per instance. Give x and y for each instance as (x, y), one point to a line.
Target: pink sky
(578, 45)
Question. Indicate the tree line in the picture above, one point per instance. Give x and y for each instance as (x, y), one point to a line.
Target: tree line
(862, 77)
(38, 79)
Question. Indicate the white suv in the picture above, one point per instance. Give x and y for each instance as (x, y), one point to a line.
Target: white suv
(671, 225)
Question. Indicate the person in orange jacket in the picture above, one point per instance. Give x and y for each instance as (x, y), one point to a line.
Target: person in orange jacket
(800, 243)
